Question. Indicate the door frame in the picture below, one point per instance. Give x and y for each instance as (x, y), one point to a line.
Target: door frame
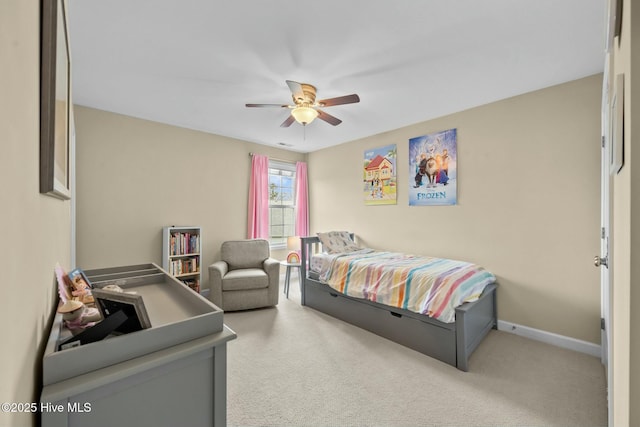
(606, 269)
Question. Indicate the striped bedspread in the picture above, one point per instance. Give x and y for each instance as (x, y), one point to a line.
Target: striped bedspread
(431, 286)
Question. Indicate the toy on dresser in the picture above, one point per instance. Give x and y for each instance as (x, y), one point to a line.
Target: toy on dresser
(74, 290)
(77, 317)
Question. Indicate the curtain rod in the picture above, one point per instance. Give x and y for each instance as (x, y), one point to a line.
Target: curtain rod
(275, 158)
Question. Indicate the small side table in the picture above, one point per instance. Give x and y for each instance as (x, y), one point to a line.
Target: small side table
(287, 276)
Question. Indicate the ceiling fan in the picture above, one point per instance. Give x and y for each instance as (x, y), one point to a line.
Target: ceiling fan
(306, 108)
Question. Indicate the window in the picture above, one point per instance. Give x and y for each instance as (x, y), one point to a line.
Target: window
(282, 202)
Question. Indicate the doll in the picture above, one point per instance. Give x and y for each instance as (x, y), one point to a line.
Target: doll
(77, 316)
(81, 290)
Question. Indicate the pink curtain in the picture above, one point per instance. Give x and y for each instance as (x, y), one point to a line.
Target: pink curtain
(258, 216)
(302, 200)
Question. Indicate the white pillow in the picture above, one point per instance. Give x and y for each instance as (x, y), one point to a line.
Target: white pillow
(336, 242)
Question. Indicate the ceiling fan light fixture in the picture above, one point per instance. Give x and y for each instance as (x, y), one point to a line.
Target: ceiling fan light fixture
(305, 107)
(304, 115)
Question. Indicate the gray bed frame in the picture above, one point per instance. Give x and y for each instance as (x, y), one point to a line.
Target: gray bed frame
(451, 343)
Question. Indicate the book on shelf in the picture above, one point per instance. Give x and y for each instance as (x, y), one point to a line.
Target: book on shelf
(192, 283)
(184, 243)
(184, 266)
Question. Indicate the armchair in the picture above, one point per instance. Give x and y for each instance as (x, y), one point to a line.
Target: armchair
(246, 277)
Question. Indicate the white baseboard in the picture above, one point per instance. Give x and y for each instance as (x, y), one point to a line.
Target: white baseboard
(550, 338)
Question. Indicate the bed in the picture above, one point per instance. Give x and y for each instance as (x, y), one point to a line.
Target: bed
(395, 316)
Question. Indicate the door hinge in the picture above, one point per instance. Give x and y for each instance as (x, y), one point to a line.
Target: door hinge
(602, 233)
(602, 141)
(602, 323)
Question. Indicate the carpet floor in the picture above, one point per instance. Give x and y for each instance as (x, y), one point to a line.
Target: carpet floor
(294, 366)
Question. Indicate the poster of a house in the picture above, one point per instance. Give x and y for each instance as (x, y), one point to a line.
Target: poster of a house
(379, 176)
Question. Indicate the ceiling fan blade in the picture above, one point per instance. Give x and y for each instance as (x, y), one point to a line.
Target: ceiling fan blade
(296, 90)
(328, 118)
(288, 122)
(267, 105)
(347, 99)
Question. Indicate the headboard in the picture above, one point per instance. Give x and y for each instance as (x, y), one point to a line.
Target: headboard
(311, 245)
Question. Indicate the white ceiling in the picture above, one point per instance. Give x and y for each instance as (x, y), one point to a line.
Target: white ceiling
(195, 63)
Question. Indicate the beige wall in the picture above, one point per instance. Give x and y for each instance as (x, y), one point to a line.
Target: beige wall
(36, 228)
(633, 138)
(528, 203)
(137, 176)
(625, 338)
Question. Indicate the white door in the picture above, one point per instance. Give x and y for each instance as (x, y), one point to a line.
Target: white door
(604, 259)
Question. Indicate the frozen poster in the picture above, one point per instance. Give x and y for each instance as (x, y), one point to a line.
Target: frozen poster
(379, 176)
(432, 166)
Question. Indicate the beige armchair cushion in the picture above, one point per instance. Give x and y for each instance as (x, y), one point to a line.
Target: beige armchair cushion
(247, 278)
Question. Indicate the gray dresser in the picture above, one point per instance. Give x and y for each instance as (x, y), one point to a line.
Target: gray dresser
(173, 373)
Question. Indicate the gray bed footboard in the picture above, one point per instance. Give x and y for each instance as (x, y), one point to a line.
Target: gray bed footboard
(473, 322)
(452, 343)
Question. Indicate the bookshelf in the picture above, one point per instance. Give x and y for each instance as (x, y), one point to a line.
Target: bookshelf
(182, 254)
